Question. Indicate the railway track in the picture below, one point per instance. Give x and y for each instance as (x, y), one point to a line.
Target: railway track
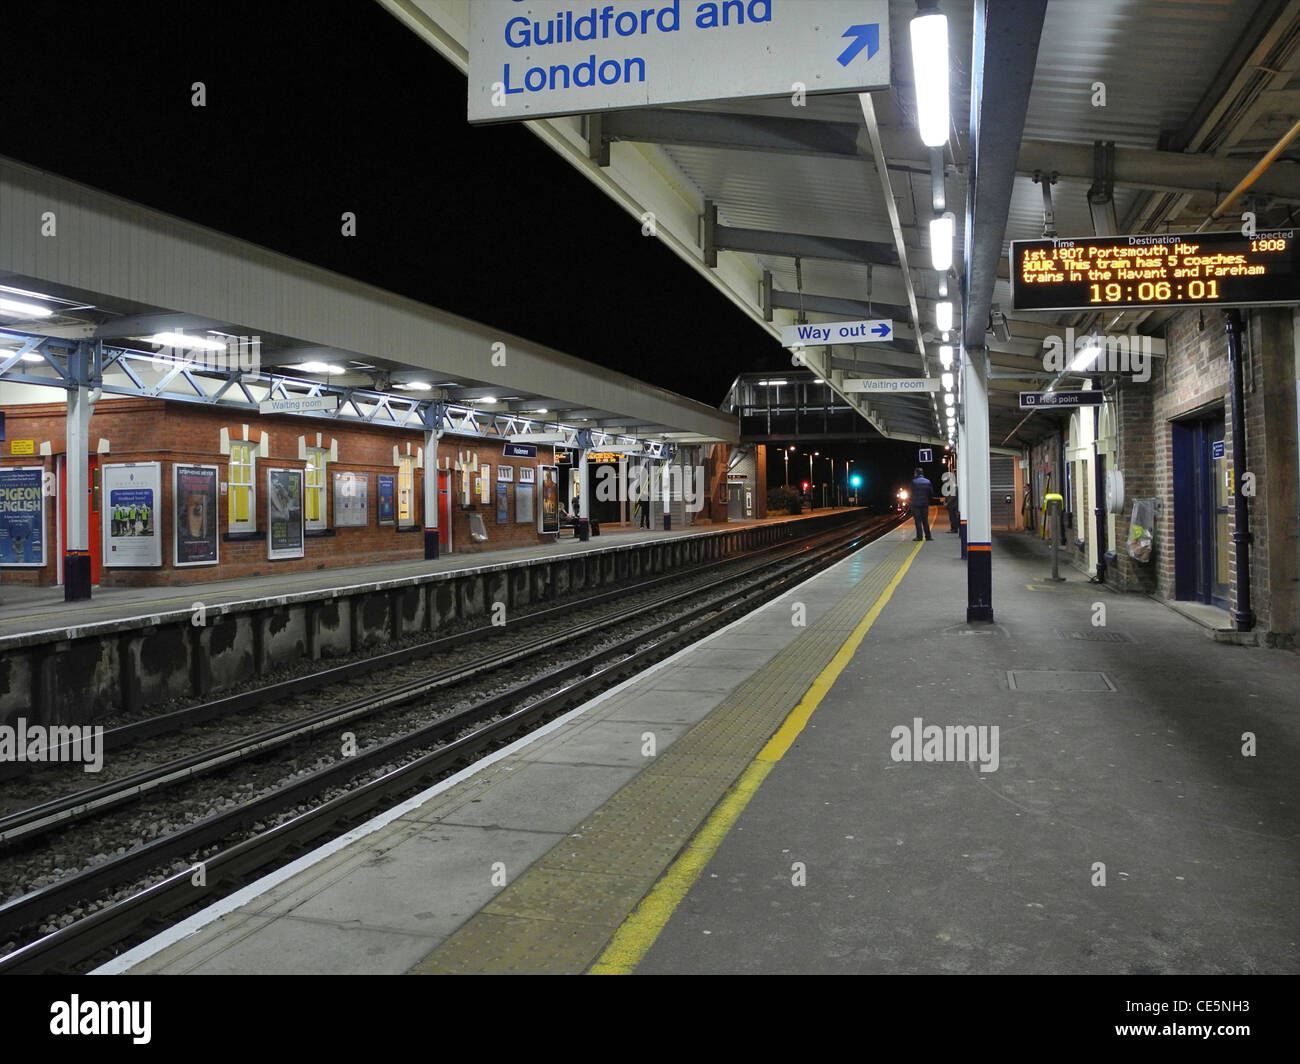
(374, 776)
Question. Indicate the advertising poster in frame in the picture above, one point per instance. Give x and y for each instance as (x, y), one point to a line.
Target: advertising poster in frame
(524, 504)
(505, 473)
(351, 500)
(526, 473)
(503, 503)
(284, 527)
(387, 499)
(485, 484)
(548, 514)
(132, 495)
(22, 516)
(194, 530)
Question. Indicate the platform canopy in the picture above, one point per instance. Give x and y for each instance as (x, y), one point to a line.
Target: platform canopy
(820, 211)
(172, 310)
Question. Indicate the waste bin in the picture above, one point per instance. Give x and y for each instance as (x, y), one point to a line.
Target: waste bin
(584, 529)
(668, 522)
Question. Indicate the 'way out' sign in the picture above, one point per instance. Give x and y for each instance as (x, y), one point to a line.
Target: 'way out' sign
(558, 57)
(871, 331)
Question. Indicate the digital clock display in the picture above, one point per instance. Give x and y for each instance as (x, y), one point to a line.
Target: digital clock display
(1195, 269)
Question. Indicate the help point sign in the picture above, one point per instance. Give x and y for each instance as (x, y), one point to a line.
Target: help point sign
(537, 58)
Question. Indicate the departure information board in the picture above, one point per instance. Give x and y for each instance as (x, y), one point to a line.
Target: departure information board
(1196, 269)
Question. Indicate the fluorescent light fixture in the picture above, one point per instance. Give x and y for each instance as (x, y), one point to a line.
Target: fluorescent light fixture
(415, 386)
(943, 316)
(1087, 356)
(945, 356)
(773, 384)
(175, 339)
(948, 399)
(946, 379)
(31, 358)
(316, 367)
(485, 399)
(930, 72)
(941, 230)
(818, 380)
(17, 308)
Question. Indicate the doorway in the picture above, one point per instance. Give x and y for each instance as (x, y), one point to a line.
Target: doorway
(1202, 529)
(95, 529)
(444, 511)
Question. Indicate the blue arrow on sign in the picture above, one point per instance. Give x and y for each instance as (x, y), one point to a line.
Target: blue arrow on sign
(865, 36)
(881, 330)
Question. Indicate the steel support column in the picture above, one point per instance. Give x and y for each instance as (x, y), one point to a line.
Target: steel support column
(431, 493)
(76, 557)
(963, 505)
(1006, 36)
(979, 539)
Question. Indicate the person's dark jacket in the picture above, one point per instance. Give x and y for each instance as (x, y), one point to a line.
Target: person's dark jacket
(922, 494)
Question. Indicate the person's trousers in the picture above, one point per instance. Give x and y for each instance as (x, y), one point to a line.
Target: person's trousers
(952, 519)
(921, 517)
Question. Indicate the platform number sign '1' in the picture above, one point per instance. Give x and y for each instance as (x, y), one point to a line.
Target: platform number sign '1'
(925, 455)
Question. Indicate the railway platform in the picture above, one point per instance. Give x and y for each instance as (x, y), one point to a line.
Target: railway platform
(1100, 798)
(138, 648)
(27, 610)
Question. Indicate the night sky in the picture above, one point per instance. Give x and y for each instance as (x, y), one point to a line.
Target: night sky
(314, 109)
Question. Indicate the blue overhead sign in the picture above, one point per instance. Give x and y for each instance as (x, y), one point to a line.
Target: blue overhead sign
(521, 450)
(870, 331)
(558, 57)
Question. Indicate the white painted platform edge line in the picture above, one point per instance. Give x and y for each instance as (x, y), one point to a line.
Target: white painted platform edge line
(192, 924)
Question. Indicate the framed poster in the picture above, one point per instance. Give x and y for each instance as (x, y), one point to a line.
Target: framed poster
(548, 514)
(351, 500)
(387, 499)
(22, 516)
(506, 473)
(524, 504)
(284, 529)
(194, 529)
(484, 484)
(503, 503)
(132, 493)
(526, 474)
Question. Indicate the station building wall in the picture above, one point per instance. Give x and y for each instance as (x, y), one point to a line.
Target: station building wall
(1192, 385)
(148, 430)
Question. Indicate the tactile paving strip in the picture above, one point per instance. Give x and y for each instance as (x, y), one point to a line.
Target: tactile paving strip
(558, 915)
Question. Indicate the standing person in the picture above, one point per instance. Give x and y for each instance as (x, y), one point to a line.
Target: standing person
(922, 494)
(952, 512)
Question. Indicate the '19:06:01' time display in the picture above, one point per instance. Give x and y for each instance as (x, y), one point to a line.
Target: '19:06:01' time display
(1195, 269)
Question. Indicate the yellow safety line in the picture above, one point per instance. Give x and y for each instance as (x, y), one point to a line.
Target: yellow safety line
(632, 941)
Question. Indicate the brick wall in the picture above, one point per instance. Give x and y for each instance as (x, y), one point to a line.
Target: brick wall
(146, 430)
(1193, 381)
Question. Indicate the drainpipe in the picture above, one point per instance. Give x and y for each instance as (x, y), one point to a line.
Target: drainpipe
(1099, 495)
(1242, 617)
